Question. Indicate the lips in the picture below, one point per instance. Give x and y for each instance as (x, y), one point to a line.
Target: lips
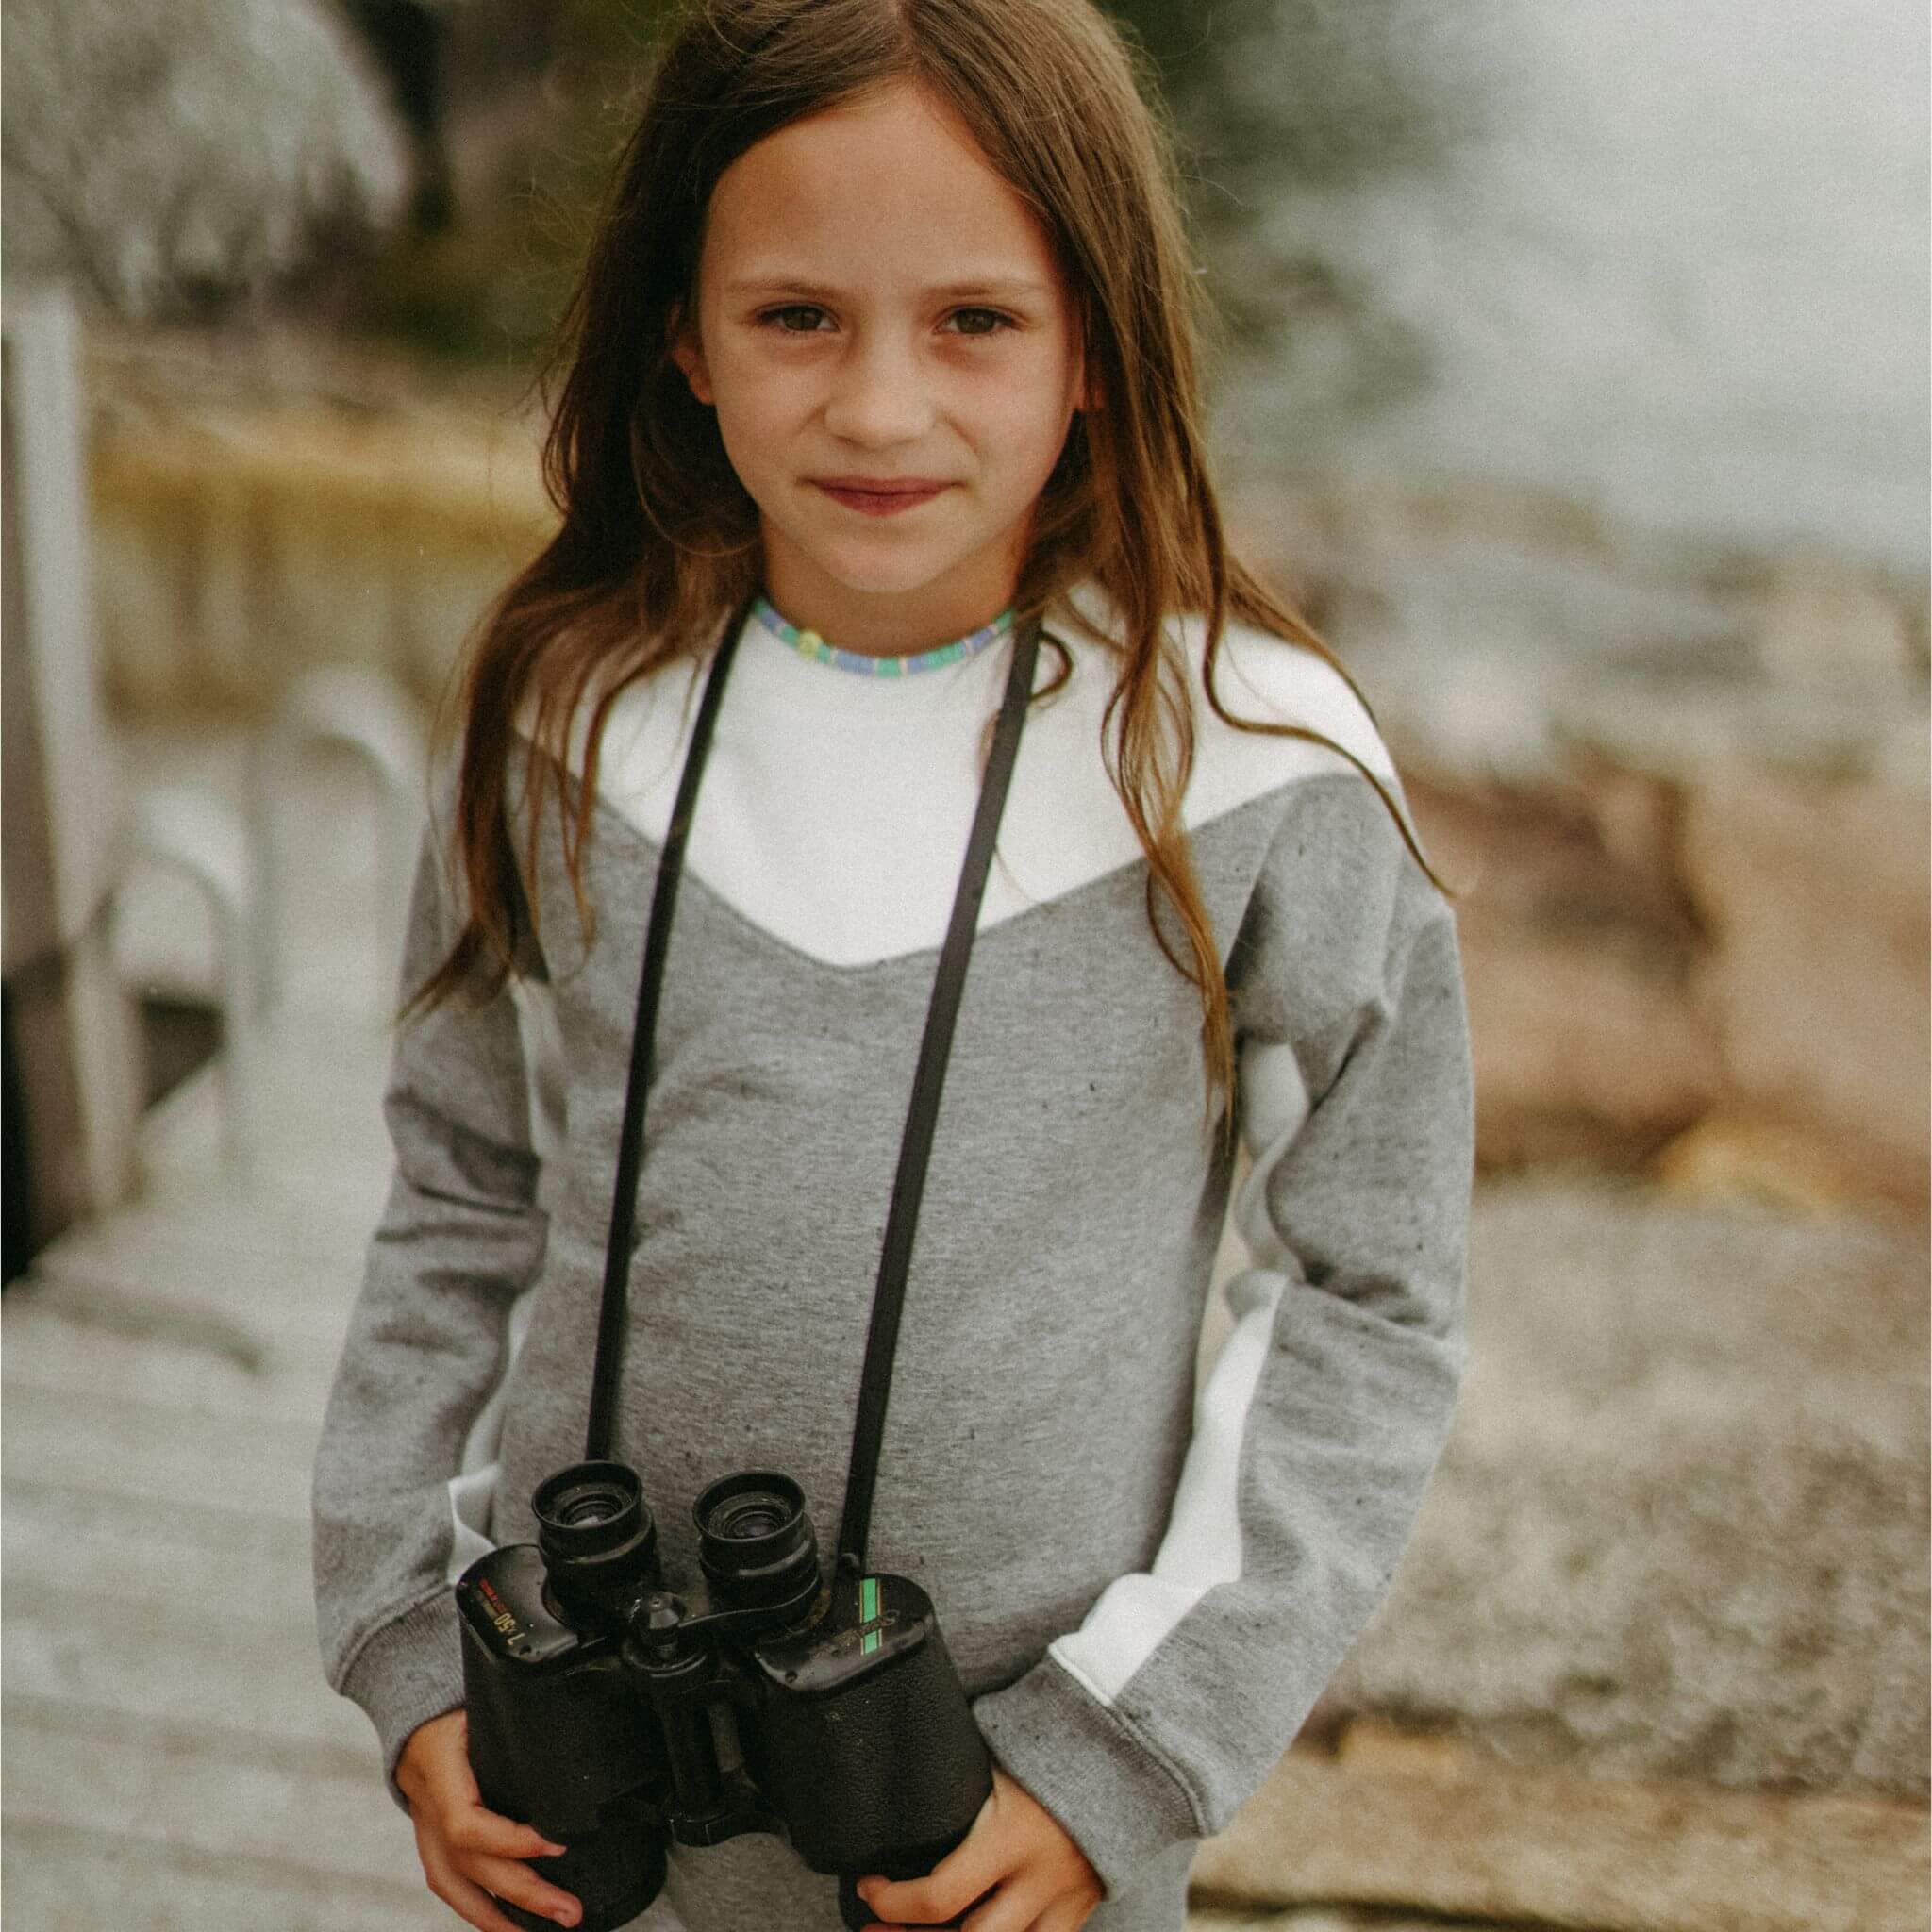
(881, 497)
(884, 486)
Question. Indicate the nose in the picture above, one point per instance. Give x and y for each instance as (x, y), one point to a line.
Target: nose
(879, 396)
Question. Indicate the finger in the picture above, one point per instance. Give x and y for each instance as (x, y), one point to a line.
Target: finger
(928, 1901)
(511, 1879)
(972, 1868)
(489, 1834)
(466, 1900)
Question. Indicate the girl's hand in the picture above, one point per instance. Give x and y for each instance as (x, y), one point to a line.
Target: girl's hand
(468, 1854)
(1042, 1878)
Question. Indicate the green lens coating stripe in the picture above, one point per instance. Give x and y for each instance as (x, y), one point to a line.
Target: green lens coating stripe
(868, 1612)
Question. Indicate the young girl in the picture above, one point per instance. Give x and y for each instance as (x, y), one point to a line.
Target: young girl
(888, 320)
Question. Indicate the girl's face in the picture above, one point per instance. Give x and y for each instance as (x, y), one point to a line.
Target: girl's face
(894, 360)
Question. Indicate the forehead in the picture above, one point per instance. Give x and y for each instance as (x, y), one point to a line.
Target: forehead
(890, 187)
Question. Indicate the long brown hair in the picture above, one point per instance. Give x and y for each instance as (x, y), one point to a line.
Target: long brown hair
(660, 539)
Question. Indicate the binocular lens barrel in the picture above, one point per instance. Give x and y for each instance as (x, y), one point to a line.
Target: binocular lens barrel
(594, 1528)
(754, 1540)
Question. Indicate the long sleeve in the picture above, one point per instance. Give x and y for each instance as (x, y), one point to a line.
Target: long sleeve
(1324, 1414)
(461, 1237)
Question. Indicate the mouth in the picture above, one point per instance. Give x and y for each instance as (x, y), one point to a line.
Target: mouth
(882, 496)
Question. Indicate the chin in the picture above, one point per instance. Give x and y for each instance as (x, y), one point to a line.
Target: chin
(884, 577)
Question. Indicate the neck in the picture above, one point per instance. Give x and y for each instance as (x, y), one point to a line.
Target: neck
(887, 624)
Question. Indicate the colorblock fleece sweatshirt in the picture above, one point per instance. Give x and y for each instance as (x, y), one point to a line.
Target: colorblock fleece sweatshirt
(1144, 1587)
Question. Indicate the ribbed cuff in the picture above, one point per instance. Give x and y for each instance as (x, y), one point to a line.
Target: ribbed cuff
(1119, 1805)
(408, 1672)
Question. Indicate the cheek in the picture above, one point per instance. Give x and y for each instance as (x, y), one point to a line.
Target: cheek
(753, 382)
(1024, 419)
(1035, 386)
(757, 413)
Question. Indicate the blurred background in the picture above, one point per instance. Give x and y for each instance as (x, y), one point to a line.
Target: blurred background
(1573, 375)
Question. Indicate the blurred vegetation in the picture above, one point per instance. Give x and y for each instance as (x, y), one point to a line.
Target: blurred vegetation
(534, 124)
(1263, 94)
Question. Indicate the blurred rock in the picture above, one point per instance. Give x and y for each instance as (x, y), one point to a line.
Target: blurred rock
(1721, 981)
(1322, 1918)
(1815, 981)
(1781, 1164)
(1826, 625)
(1473, 617)
(1679, 1531)
(1577, 954)
(1501, 632)
(1682, 728)
(1395, 1827)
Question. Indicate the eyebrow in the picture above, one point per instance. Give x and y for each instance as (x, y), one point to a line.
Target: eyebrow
(1000, 287)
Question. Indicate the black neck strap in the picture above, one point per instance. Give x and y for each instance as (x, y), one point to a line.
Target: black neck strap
(922, 1114)
(598, 1435)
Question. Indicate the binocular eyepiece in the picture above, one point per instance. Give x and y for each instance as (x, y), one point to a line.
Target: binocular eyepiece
(599, 1541)
(754, 1540)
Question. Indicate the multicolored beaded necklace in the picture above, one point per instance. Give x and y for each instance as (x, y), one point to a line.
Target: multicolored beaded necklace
(809, 643)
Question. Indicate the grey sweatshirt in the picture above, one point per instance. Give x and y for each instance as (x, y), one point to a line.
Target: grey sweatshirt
(1144, 1587)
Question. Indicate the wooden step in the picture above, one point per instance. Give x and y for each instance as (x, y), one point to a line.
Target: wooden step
(76, 1340)
(188, 1660)
(201, 1790)
(62, 1877)
(138, 1554)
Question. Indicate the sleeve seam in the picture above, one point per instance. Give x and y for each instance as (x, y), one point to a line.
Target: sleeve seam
(1142, 1743)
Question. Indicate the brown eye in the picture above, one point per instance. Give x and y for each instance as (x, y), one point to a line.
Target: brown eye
(980, 322)
(796, 319)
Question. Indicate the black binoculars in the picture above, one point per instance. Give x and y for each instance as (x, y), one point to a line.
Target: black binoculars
(615, 1713)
